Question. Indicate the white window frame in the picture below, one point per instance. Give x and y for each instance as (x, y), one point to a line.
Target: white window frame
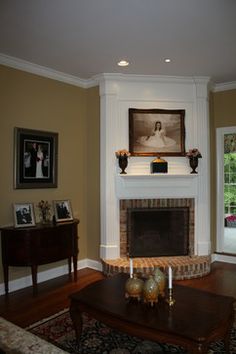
(220, 132)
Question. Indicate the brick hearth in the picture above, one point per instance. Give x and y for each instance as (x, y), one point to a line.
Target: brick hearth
(184, 267)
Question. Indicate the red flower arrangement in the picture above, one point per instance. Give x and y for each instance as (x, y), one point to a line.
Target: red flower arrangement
(122, 153)
(231, 218)
(193, 153)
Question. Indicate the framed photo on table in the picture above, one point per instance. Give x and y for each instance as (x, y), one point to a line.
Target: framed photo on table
(23, 215)
(62, 210)
(35, 159)
(156, 132)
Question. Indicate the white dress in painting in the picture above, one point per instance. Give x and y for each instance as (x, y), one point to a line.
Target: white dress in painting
(157, 140)
(39, 165)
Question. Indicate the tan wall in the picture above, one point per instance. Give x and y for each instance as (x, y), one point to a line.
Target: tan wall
(222, 114)
(31, 101)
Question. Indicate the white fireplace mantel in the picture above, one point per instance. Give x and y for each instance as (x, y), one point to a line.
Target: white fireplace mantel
(118, 93)
(134, 186)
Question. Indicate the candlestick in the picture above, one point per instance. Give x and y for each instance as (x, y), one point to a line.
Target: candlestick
(170, 278)
(170, 300)
(131, 267)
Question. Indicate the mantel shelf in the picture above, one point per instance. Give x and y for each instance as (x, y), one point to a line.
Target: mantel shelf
(161, 185)
(157, 175)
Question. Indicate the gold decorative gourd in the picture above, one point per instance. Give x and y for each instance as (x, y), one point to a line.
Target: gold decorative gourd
(150, 291)
(160, 279)
(134, 287)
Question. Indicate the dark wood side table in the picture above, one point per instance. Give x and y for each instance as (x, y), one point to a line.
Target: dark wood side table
(37, 245)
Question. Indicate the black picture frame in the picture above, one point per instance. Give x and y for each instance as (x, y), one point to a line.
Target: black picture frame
(156, 132)
(62, 210)
(35, 158)
(24, 215)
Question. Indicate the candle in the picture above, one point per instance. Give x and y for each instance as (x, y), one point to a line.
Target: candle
(131, 267)
(170, 278)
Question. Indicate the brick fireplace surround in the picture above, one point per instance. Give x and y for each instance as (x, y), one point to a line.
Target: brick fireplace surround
(184, 267)
(127, 204)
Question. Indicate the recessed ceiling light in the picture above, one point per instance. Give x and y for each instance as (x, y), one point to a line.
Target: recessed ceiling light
(167, 60)
(123, 63)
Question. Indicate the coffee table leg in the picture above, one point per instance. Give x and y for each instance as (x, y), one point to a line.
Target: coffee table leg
(200, 348)
(76, 317)
(226, 343)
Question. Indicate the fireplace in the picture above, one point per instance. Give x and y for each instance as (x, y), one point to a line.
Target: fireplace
(176, 222)
(154, 232)
(141, 189)
(157, 227)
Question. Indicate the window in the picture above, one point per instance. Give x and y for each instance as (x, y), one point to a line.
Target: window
(230, 174)
(226, 190)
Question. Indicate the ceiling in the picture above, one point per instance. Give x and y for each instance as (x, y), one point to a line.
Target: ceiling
(88, 37)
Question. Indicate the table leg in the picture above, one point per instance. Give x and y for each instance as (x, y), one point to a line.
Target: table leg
(226, 341)
(69, 265)
(76, 318)
(5, 275)
(75, 267)
(199, 348)
(34, 268)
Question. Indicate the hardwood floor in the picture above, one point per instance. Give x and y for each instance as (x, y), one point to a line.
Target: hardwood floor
(23, 309)
(221, 280)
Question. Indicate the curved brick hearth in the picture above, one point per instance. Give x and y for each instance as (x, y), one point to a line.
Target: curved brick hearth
(184, 267)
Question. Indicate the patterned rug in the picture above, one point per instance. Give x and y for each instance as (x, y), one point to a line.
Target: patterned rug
(97, 338)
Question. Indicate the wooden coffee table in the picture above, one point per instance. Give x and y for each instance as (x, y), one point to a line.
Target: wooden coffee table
(196, 319)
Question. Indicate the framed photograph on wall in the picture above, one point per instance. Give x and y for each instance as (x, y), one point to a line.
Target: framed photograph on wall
(35, 159)
(62, 210)
(23, 214)
(156, 132)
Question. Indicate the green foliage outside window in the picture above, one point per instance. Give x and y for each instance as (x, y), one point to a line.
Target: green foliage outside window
(230, 183)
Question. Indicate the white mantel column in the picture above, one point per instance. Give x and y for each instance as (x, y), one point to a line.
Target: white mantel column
(202, 143)
(109, 246)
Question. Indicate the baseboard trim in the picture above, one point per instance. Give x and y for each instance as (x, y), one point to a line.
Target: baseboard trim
(26, 281)
(217, 257)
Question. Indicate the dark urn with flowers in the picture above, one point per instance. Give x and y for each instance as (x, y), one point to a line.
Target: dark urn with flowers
(193, 156)
(122, 156)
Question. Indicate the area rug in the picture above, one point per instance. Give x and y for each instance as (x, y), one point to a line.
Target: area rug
(97, 338)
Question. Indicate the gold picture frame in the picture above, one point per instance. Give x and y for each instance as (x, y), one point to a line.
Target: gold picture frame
(156, 132)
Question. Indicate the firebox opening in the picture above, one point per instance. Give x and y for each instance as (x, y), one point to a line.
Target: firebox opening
(158, 232)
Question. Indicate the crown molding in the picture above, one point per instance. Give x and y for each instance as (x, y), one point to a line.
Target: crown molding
(152, 78)
(45, 72)
(39, 70)
(224, 86)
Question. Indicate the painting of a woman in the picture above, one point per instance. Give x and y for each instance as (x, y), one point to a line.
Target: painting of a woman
(156, 132)
(158, 138)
